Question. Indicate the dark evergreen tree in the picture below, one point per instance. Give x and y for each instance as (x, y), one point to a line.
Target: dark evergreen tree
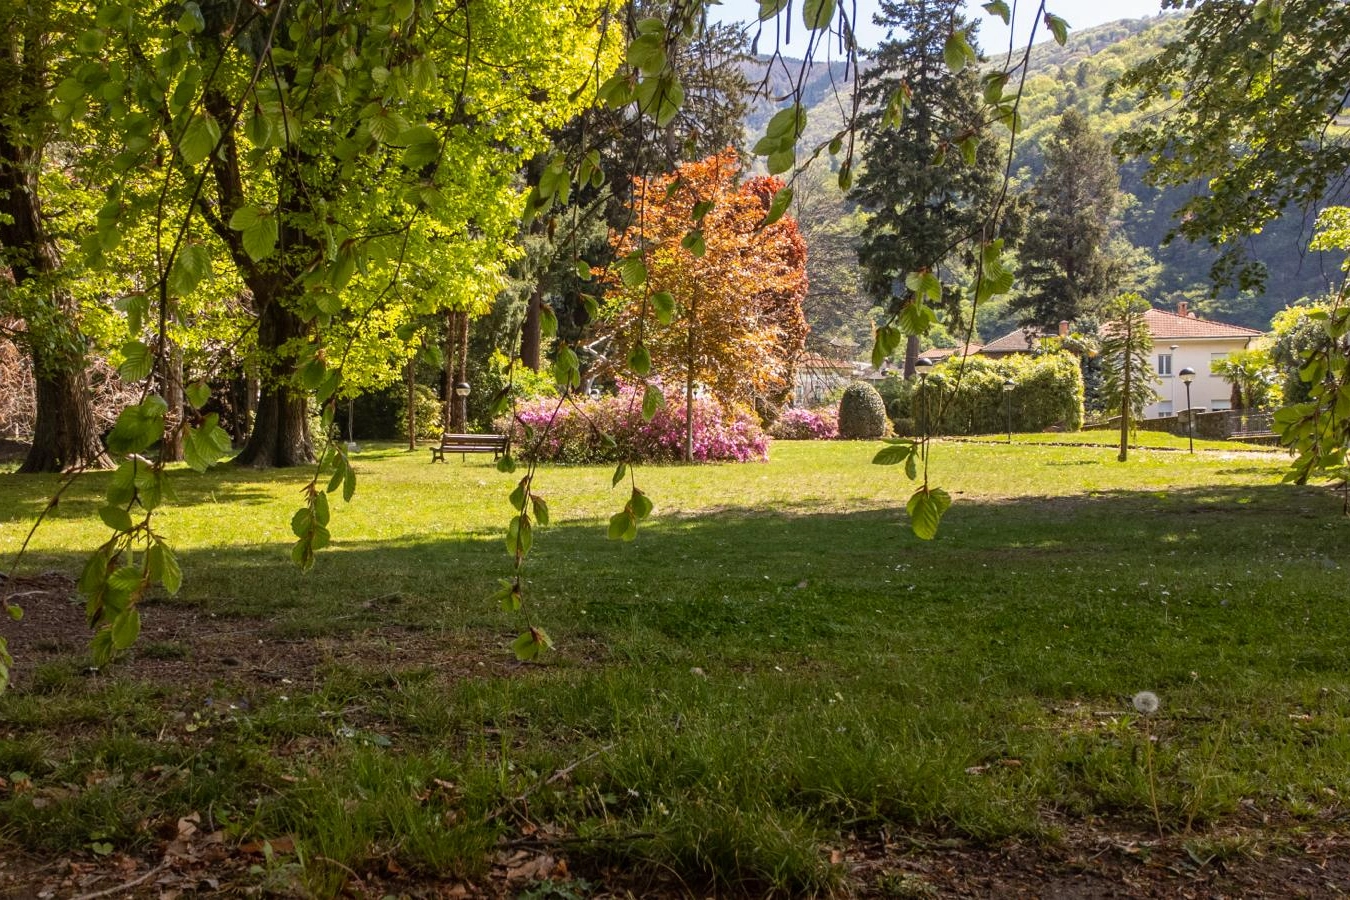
(1068, 265)
(927, 186)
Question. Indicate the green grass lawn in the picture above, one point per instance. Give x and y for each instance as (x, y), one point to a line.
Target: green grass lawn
(774, 665)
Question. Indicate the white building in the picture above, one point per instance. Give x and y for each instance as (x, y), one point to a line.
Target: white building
(1181, 340)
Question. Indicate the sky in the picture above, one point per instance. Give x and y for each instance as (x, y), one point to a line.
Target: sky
(993, 35)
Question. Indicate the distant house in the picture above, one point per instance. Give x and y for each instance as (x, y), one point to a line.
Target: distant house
(817, 376)
(1180, 340)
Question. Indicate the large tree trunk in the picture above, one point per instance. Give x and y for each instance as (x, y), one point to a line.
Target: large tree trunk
(171, 389)
(280, 436)
(64, 434)
(530, 336)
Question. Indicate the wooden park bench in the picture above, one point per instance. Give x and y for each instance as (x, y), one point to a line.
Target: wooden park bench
(469, 443)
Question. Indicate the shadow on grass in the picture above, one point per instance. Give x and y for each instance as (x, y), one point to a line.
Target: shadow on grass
(1079, 581)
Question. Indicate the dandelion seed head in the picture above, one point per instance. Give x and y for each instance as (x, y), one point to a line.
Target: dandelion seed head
(1146, 702)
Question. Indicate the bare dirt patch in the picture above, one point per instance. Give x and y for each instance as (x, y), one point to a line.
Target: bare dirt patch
(186, 646)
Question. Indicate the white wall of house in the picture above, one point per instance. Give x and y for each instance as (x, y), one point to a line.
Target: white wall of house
(1208, 391)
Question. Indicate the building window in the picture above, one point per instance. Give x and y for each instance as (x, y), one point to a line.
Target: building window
(1216, 358)
(1164, 364)
(1164, 408)
(1220, 405)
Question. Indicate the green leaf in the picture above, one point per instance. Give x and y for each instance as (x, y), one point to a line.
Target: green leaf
(956, 51)
(787, 123)
(517, 498)
(770, 8)
(925, 284)
(583, 270)
(633, 271)
(663, 304)
(701, 209)
(125, 629)
(164, 567)
(818, 14)
(998, 8)
(530, 644)
(639, 360)
(349, 484)
(778, 207)
(506, 464)
(619, 471)
(925, 511)
(519, 536)
(540, 508)
(623, 526)
(548, 322)
(652, 400)
(894, 453)
(422, 145)
(206, 444)
(693, 242)
(190, 266)
(640, 504)
(647, 53)
(917, 317)
(137, 361)
(101, 648)
(970, 146)
(138, 427)
(1058, 27)
(566, 367)
(260, 241)
(115, 517)
(782, 161)
(199, 139)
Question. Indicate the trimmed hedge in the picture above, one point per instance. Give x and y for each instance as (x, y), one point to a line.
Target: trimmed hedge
(862, 412)
(1047, 393)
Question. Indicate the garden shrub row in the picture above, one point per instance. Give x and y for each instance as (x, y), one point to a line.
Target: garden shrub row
(1047, 393)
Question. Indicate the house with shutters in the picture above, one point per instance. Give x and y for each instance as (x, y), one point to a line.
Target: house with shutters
(1182, 340)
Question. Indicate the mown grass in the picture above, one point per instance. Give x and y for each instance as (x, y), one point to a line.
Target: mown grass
(774, 664)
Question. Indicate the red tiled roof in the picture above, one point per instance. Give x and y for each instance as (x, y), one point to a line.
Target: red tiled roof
(1012, 342)
(1170, 326)
(937, 353)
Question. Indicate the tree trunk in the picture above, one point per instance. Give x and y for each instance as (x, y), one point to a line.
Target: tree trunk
(280, 436)
(448, 372)
(462, 375)
(64, 435)
(410, 377)
(530, 337)
(171, 389)
(689, 381)
(911, 355)
(1125, 398)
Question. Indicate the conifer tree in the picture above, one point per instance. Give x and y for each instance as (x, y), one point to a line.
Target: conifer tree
(1068, 266)
(928, 182)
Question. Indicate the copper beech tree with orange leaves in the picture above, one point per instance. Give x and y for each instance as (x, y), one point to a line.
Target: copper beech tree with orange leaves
(705, 289)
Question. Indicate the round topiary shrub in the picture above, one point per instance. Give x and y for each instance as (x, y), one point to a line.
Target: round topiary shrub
(862, 412)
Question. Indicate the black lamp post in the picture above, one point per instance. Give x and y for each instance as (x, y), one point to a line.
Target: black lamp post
(1187, 376)
(922, 366)
(462, 406)
(1007, 404)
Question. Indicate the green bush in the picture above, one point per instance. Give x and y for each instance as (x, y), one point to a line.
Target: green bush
(429, 413)
(899, 396)
(862, 412)
(1047, 393)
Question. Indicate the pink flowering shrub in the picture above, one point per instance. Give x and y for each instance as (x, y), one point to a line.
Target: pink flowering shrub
(610, 428)
(806, 425)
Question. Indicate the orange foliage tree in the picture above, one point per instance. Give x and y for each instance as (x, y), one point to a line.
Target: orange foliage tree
(703, 288)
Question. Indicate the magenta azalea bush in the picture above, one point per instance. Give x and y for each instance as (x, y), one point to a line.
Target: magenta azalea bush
(806, 425)
(610, 428)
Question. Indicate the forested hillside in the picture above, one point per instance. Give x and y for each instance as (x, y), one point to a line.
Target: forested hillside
(1079, 75)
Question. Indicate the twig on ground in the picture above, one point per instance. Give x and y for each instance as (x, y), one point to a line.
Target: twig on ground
(126, 885)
